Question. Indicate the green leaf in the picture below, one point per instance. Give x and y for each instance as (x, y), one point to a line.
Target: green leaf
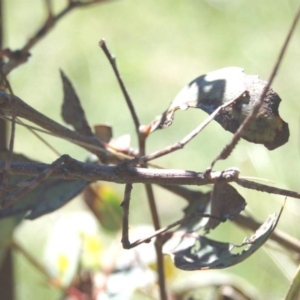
(200, 253)
(213, 89)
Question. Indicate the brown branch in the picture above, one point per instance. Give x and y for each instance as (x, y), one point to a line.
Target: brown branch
(125, 223)
(120, 174)
(14, 197)
(278, 236)
(23, 110)
(20, 56)
(182, 221)
(5, 178)
(187, 138)
(265, 188)
(112, 60)
(237, 136)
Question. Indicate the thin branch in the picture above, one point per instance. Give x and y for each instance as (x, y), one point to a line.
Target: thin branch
(5, 178)
(237, 136)
(112, 60)
(14, 197)
(265, 188)
(186, 139)
(25, 111)
(182, 221)
(20, 56)
(120, 174)
(125, 225)
(158, 243)
(156, 222)
(278, 236)
(248, 222)
(40, 138)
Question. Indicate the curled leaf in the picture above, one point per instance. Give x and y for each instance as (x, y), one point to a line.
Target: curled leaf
(210, 91)
(204, 253)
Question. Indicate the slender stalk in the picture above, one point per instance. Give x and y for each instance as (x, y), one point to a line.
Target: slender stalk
(227, 150)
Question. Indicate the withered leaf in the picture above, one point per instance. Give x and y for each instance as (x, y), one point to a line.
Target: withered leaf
(72, 111)
(226, 203)
(103, 132)
(206, 254)
(213, 89)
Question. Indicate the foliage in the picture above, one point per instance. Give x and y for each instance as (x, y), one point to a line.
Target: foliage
(89, 267)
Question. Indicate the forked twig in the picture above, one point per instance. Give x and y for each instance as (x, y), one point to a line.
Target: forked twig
(20, 56)
(25, 111)
(187, 138)
(165, 229)
(227, 150)
(149, 190)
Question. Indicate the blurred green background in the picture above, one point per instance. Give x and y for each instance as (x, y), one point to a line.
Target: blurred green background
(160, 47)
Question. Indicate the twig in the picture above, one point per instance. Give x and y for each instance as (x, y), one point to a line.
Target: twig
(19, 57)
(6, 172)
(25, 111)
(49, 7)
(142, 135)
(186, 139)
(112, 60)
(125, 225)
(164, 229)
(155, 219)
(278, 236)
(12, 198)
(94, 172)
(158, 243)
(41, 139)
(248, 222)
(227, 150)
(265, 188)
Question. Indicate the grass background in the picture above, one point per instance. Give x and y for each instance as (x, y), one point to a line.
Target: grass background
(160, 47)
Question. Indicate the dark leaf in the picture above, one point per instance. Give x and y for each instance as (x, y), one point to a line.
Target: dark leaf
(205, 253)
(72, 111)
(226, 203)
(198, 206)
(211, 90)
(50, 195)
